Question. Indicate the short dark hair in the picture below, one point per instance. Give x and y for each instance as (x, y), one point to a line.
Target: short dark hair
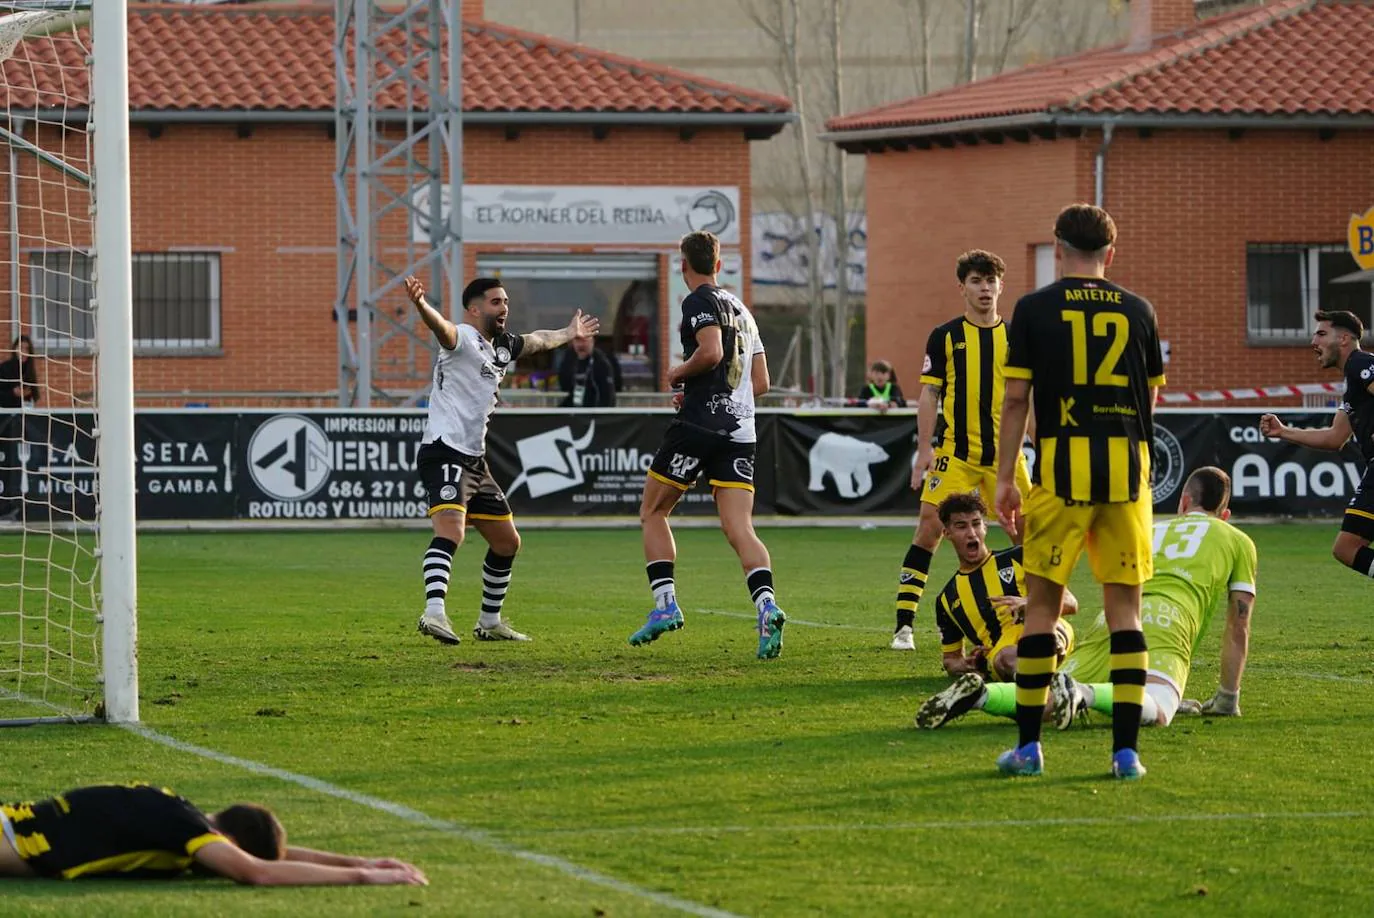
(1210, 488)
(979, 260)
(702, 251)
(1085, 227)
(1346, 321)
(969, 502)
(253, 828)
(478, 288)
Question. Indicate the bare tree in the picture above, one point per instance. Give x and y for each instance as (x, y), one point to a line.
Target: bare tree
(1018, 17)
(781, 24)
(973, 20)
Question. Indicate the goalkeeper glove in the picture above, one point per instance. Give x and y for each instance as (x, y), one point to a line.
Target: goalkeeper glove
(1223, 704)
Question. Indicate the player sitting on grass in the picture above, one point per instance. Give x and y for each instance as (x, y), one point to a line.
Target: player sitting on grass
(982, 604)
(140, 831)
(1199, 557)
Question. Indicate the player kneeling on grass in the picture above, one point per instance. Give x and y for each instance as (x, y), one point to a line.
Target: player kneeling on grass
(981, 606)
(1199, 558)
(140, 831)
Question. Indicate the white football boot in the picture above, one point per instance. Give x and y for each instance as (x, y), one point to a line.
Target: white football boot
(436, 625)
(904, 639)
(498, 632)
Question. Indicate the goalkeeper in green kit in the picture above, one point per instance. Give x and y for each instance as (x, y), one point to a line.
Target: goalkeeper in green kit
(1200, 561)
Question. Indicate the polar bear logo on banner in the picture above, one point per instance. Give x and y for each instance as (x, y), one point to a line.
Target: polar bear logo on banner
(846, 460)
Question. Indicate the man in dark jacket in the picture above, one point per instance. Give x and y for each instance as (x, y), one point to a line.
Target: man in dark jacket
(587, 376)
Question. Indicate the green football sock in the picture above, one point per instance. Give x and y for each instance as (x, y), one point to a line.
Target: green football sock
(1001, 699)
(1102, 697)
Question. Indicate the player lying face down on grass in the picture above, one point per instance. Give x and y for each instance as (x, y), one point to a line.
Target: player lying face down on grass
(1201, 562)
(982, 607)
(145, 832)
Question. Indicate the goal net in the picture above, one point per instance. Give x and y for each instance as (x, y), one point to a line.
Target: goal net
(54, 501)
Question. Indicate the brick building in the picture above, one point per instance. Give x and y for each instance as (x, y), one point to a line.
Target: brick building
(1232, 152)
(234, 209)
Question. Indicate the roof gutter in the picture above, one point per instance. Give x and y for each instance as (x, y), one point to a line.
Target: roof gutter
(777, 120)
(1123, 120)
(1002, 123)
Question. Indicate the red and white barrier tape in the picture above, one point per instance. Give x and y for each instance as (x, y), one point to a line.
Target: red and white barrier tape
(1171, 398)
(1232, 395)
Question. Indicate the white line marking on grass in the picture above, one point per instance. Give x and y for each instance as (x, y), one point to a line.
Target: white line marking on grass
(1262, 667)
(1320, 677)
(475, 836)
(955, 825)
(794, 621)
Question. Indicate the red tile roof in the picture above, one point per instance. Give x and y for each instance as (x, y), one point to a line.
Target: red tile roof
(281, 59)
(1288, 58)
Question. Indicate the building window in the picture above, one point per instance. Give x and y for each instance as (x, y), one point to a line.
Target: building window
(620, 290)
(1286, 284)
(176, 300)
(1044, 265)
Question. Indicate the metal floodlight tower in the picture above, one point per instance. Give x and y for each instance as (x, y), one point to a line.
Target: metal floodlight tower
(398, 119)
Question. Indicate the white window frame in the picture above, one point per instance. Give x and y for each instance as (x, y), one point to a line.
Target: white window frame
(1044, 265)
(37, 318)
(1309, 268)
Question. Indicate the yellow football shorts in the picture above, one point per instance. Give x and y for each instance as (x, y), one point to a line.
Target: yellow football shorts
(948, 475)
(1118, 537)
(1063, 639)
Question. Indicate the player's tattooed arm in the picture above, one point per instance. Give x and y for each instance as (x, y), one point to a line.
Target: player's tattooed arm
(1235, 644)
(445, 332)
(581, 326)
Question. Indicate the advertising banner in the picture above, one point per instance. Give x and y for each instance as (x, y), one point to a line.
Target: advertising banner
(360, 465)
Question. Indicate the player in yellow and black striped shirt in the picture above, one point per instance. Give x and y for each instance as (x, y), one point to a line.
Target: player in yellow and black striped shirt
(958, 416)
(141, 831)
(980, 608)
(1090, 351)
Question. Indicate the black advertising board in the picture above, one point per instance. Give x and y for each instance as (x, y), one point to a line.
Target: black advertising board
(360, 465)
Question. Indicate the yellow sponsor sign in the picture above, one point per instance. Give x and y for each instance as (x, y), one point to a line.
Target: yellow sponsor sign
(1362, 239)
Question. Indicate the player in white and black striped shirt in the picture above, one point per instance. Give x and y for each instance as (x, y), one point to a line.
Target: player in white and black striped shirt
(473, 358)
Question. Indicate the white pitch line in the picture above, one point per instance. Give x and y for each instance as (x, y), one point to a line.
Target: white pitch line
(953, 825)
(475, 836)
(1320, 677)
(1262, 667)
(794, 621)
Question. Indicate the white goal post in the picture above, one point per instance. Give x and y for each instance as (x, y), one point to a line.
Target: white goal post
(68, 586)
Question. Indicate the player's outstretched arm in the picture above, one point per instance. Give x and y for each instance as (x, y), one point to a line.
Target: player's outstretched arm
(230, 861)
(1328, 438)
(708, 354)
(445, 332)
(581, 326)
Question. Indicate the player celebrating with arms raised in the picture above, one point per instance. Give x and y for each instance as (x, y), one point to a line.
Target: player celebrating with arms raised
(1091, 351)
(713, 434)
(473, 357)
(960, 406)
(1337, 343)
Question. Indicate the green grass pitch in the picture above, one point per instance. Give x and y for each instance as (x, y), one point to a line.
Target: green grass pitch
(688, 768)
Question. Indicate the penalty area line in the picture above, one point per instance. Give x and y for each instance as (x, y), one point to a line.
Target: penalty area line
(956, 825)
(456, 830)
